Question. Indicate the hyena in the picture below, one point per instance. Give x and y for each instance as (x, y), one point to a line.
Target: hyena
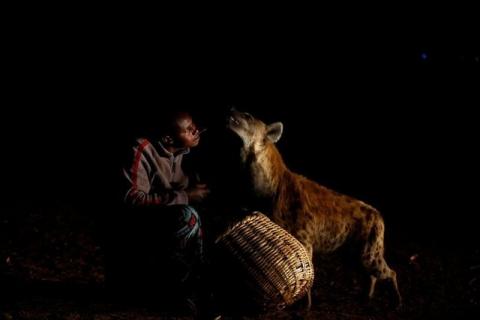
(321, 219)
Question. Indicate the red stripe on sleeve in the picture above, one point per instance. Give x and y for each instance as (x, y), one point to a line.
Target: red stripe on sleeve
(136, 162)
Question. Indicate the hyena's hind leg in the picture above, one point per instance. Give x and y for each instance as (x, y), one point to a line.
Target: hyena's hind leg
(373, 258)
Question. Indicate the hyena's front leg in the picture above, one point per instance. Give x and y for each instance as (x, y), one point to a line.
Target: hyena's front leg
(307, 243)
(309, 293)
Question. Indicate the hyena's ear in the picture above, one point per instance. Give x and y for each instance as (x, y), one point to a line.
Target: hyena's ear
(274, 131)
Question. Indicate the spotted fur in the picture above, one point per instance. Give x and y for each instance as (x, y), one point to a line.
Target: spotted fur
(321, 219)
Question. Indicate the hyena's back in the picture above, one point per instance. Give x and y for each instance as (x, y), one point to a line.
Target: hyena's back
(320, 216)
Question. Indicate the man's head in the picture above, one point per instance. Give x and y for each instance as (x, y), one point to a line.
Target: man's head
(178, 131)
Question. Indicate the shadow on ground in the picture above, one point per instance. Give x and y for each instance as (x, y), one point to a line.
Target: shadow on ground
(52, 267)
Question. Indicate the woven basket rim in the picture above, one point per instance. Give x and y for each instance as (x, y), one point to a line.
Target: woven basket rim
(284, 272)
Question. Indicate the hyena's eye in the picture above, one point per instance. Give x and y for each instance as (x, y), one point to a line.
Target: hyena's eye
(248, 116)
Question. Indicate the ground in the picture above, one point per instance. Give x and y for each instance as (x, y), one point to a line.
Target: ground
(52, 267)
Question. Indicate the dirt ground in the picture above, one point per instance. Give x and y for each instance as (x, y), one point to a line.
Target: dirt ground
(52, 267)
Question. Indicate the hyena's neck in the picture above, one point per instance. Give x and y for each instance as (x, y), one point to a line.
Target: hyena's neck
(266, 168)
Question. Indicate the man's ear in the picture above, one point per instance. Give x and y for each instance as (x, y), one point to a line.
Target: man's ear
(167, 140)
(274, 131)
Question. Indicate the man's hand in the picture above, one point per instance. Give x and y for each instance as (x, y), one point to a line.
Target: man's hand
(197, 193)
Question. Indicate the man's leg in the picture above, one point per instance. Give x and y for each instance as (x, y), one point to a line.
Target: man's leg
(189, 234)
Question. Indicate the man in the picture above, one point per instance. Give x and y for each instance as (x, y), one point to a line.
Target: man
(159, 193)
(156, 176)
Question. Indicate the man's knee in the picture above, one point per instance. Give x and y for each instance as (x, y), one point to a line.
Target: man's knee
(189, 215)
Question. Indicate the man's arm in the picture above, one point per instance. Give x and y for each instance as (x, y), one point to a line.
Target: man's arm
(139, 177)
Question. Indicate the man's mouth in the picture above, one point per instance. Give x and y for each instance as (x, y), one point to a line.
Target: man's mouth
(197, 135)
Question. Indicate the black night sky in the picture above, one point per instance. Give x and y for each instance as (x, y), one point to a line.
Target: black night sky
(381, 109)
(384, 115)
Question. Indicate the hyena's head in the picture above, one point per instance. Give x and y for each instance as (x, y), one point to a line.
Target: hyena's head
(252, 131)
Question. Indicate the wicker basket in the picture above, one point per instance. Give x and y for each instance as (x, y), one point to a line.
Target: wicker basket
(273, 265)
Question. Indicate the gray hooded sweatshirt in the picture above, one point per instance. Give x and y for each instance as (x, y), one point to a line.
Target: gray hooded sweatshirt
(155, 176)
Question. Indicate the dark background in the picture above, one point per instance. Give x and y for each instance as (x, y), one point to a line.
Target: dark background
(377, 102)
(381, 107)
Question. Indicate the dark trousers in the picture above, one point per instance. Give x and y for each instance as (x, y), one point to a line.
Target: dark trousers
(159, 247)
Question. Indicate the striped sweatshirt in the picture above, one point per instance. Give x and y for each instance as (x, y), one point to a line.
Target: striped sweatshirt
(155, 176)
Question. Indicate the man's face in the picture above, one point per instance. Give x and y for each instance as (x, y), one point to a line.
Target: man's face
(187, 135)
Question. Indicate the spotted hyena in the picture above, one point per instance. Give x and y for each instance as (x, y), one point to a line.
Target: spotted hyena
(321, 219)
